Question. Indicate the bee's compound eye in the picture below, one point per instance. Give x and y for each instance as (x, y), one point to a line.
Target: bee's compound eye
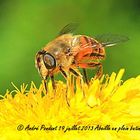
(49, 61)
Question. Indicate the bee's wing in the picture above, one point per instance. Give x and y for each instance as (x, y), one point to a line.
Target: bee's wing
(69, 28)
(111, 39)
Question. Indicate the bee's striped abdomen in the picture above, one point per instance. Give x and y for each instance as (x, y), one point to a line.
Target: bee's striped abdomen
(89, 47)
(87, 41)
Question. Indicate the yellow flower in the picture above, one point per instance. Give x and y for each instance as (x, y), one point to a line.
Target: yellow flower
(107, 109)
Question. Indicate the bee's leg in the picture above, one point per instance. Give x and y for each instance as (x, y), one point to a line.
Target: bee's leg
(53, 82)
(63, 73)
(85, 75)
(74, 72)
(99, 71)
(76, 75)
(93, 65)
(65, 76)
(45, 84)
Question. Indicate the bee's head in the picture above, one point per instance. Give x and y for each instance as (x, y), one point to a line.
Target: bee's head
(45, 62)
(49, 61)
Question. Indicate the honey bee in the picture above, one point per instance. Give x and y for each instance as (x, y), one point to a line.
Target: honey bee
(68, 52)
